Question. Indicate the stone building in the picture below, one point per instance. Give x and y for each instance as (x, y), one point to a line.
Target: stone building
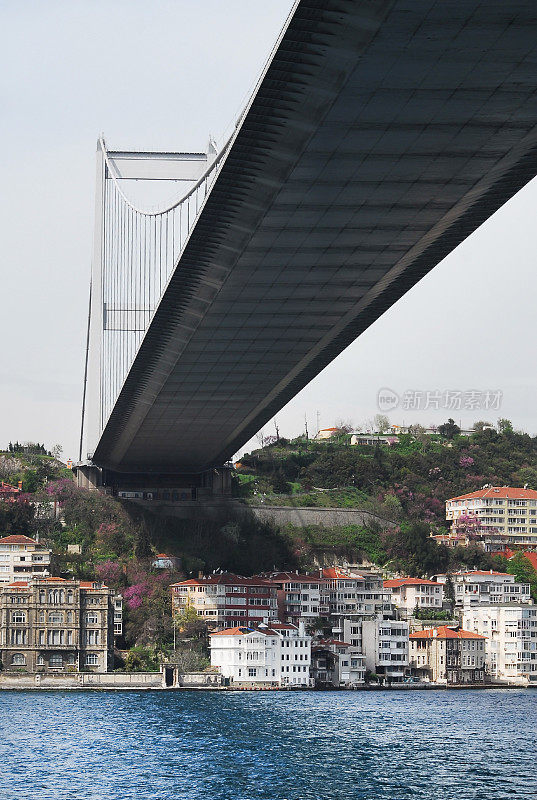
(52, 624)
(447, 656)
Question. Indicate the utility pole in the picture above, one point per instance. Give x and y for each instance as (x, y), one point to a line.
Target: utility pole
(306, 425)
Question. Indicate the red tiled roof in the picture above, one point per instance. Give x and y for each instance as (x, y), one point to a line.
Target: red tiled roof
(18, 585)
(90, 585)
(334, 641)
(288, 577)
(443, 632)
(7, 489)
(483, 572)
(501, 492)
(243, 630)
(532, 558)
(397, 582)
(17, 539)
(225, 578)
(333, 573)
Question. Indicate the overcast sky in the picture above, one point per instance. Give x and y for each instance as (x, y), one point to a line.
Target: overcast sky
(165, 75)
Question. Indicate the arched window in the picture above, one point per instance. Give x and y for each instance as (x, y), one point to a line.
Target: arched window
(69, 596)
(62, 596)
(18, 660)
(42, 596)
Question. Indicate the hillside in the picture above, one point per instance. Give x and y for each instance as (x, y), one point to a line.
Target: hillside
(404, 484)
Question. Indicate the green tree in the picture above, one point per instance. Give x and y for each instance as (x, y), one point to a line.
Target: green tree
(521, 568)
(449, 429)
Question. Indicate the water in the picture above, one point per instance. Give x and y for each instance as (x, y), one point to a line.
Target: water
(267, 745)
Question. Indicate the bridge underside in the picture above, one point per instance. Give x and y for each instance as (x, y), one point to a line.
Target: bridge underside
(382, 134)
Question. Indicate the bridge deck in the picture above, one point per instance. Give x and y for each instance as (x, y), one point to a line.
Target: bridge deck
(382, 134)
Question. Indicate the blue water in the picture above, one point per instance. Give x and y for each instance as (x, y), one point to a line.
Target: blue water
(268, 746)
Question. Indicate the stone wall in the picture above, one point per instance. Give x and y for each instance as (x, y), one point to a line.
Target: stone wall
(324, 517)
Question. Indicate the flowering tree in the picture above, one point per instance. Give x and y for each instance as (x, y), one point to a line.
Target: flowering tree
(466, 461)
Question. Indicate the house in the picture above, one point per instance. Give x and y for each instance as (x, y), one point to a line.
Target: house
(163, 561)
(22, 558)
(327, 433)
(511, 639)
(299, 596)
(225, 600)
(408, 594)
(54, 625)
(502, 513)
(477, 587)
(263, 655)
(373, 439)
(448, 656)
(348, 594)
(8, 494)
(336, 663)
(385, 647)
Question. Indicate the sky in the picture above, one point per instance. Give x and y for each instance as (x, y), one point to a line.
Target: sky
(164, 76)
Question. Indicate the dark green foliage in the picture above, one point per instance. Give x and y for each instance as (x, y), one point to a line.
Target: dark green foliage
(16, 518)
(521, 568)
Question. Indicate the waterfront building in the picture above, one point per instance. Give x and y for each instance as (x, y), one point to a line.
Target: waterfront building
(336, 663)
(511, 643)
(225, 600)
(477, 587)
(447, 656)
(22, 558)
(407, 594)
(51, 624)
(279, 655)
(300, 597)
(384, 644)
(504, 513)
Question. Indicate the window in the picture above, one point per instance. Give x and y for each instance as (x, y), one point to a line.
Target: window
(18, 616)
(92, 618)
(55, 618)
(92, 659)
(252, 672)
(55, 660)
(18, 660)
(40, 661)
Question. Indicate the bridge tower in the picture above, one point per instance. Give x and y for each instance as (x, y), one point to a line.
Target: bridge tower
(135, 250)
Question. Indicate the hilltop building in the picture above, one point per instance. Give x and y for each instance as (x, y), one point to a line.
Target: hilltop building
(279, 655)
(8, 493)
(505, 515)
(52, 624)
(511, 643)
(448, 656)
(225, 600)
(22, 558)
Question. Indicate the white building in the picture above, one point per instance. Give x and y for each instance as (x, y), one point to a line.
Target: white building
(385, 647)
(478, 587)
(298, 596)
(278, 656)
(410, 593)
(348, 594)
(511, 643)
(22, 558)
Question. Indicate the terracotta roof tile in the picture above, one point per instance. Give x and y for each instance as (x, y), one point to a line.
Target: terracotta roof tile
(500, 492)
(443, 632)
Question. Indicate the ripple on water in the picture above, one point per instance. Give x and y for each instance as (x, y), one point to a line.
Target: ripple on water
(267, 746)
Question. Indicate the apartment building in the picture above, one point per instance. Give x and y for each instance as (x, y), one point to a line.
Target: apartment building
(52, 624)
(22, 558)
(385, 647)
(335, 663)
(348, 594)
(299, 597)
(279, 655)
(478, 587)
(226, 600)
(447, 656)
(505, 513)
(408, 594)
(511, 639)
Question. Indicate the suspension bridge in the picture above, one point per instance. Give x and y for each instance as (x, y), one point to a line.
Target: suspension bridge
(381, 133)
